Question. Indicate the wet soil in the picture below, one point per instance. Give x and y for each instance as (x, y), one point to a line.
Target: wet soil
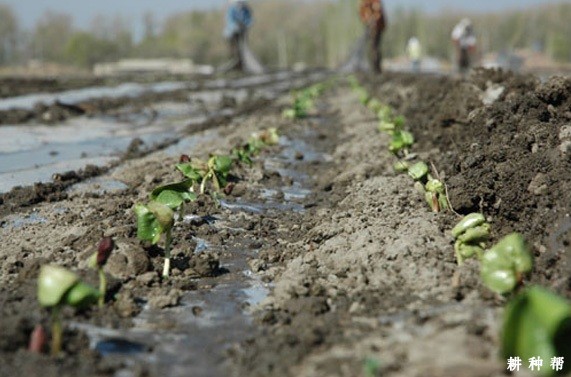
(362, 276)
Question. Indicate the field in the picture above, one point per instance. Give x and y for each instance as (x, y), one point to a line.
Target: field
(319, 259)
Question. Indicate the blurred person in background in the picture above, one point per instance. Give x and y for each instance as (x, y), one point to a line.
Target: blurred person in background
(238, 21)
(373, 17)
(414, 53)
(464, 40)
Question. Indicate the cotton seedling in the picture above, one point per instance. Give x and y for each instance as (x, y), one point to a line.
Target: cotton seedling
(436, 195)
(471, 235)
(175, 195)
(400, 142)
(302, 103)
(419, 172)
(537, 324)
(153, 221)
(375, 105)
(98, 261)
(58, 287)
(218, 168)
(258, 141)
(385, 114)
(504, 265)
(392, 125)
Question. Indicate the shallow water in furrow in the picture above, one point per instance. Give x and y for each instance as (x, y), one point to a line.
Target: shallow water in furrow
(194, 337)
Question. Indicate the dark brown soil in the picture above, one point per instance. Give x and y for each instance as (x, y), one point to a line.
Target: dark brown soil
(510, 159)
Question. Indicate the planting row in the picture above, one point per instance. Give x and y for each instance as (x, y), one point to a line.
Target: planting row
(156, 221)
(537, 323)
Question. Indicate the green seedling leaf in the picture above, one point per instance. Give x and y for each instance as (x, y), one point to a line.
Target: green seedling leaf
(418, 171)
(81, 296)
(504, 264)
(58, 287)
(465, 251)
(434, 186)
(387, 126)
(289, 114)
(153, 220)
(148, 227)
(537, 323)
(53, 283)
(241, 155)
(471, 234)
(476, 235)
(220, 164)
(175, 194)
(190, 171)
(470, 221)
(399, 123)
(375, 105)
(371, 367)
(385, 114)
(255, 146)
(401, 140)
(401, 166)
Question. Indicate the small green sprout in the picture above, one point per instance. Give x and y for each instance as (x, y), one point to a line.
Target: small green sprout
(418, 171)
(58, 287)
(375, 105)
(174, 195)
(190, 170)
(371, 367)
(537, 323)
(504, 265)
(98, 260)
(302, 103)
(154, 220)
(385, 114)
(401, 166)
(436, 195)
(470, 221)
(241, 155)
(257, 142)
(471, 234)
(218, 170)
(392, 125)
(401, 141)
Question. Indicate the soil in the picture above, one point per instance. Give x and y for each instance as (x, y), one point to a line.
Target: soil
(363, 276)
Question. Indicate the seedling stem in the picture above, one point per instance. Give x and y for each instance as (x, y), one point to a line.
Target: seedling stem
(56, 331)
(167, 265)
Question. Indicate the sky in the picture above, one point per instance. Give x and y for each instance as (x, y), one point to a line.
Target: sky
(83, 11)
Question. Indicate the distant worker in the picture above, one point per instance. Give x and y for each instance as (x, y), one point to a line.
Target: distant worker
(238, 21)
(464, 39)
(373, 17)
(414, 53)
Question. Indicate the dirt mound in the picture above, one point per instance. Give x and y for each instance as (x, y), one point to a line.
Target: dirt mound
(502, 141)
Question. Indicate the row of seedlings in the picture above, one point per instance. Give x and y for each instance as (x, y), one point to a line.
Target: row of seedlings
(59, 287)
(536, 323)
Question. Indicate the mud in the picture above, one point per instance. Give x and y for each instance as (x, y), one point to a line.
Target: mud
(361, 276)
